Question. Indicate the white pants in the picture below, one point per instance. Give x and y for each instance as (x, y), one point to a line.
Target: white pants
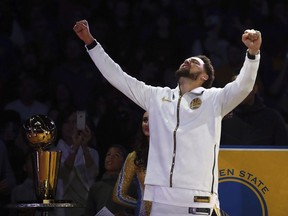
(159, 209)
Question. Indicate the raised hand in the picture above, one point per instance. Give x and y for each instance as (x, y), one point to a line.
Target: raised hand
(253, 40)
(81, 28)
(86, 136)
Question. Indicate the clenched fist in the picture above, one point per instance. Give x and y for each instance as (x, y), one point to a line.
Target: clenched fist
(81, 28)
(253, 40)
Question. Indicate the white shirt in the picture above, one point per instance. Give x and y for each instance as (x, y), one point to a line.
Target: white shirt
(37, 108)
(77, 182)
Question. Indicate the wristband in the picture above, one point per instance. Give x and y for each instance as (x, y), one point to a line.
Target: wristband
(92, 45)
(252, 57)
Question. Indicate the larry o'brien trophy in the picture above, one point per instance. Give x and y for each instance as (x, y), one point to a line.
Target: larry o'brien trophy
(40, 133)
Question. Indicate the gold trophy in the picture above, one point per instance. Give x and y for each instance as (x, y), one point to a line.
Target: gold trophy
(40, 132)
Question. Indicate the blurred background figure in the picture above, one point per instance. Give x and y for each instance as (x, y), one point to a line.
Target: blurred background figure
(7, 180)
(77, 74)
(59, 100)
(26, 102)
(100, 194)
(25, 191)
(135, 168)
(11, 135)
(79, 162)
(253, 123)
(279, 90)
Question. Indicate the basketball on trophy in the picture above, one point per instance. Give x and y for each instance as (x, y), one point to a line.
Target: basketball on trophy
(40, 131)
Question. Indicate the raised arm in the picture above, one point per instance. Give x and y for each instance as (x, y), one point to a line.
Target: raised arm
(235, 92)
(134, 89)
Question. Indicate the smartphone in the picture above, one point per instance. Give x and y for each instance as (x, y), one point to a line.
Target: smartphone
(81, 120)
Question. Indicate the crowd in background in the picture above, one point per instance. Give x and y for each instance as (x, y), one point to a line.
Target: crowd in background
(44, 68)
(145, 37)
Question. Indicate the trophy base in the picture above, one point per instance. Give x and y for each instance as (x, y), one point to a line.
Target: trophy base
(48, 201)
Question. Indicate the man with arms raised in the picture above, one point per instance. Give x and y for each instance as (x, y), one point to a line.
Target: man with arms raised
(185, 125)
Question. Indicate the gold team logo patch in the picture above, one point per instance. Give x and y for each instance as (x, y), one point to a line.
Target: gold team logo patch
(202, 199)
(195, 103)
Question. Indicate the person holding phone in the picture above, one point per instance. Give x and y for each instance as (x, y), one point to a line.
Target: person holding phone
(79, 162)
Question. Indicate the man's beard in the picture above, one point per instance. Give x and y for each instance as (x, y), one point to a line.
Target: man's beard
(184, 72)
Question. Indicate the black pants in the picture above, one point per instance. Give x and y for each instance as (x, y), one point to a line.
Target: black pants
(214, 213)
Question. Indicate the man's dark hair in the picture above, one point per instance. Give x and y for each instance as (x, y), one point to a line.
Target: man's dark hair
(209, 70)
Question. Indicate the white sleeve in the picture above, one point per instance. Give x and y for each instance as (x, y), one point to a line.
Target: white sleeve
(235, 92)
(134, 89)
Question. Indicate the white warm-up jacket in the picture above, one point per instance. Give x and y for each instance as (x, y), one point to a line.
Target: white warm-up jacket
(184, 131)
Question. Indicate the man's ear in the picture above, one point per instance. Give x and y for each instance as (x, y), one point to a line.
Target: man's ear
(205, 77)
